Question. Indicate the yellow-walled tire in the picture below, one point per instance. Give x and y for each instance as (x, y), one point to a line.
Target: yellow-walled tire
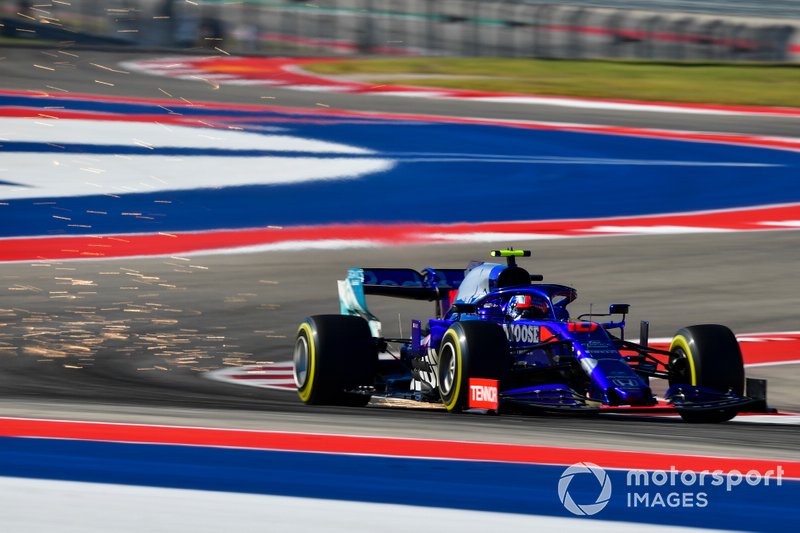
(469, 349)
(334, 360)
(707, 355)
(450, 371)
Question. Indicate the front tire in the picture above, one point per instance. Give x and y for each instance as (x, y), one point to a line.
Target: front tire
(470, 349)
(334, 355)
(707, 355)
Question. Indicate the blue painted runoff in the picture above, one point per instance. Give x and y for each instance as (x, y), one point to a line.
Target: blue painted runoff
(439, 173)
(475, 485)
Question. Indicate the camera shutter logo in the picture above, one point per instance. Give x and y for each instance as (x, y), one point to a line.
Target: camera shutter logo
(584, 509)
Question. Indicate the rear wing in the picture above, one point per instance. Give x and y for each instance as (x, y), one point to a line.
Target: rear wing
(433, 285)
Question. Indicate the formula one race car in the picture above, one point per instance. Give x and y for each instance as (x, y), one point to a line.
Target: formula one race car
(504, 341)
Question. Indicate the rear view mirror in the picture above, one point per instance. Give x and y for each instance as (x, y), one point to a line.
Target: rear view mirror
(618, 309)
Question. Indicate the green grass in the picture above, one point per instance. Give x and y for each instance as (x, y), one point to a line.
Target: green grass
(735, 84)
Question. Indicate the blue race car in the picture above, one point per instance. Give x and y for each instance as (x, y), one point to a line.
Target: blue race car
(503, 340)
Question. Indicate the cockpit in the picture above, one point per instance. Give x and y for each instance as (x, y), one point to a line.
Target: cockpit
(549, 302)
(538, 302)
(527, 307)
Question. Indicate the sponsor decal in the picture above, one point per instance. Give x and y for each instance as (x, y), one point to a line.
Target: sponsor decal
(483, 393)
(582, 327)
(626, 383)
(596, 344)
(525, 333)
(605, 354)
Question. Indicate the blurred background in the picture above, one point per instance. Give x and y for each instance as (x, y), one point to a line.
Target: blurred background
(735, 30)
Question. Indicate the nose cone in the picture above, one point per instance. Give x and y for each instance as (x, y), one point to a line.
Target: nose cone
(630, 396)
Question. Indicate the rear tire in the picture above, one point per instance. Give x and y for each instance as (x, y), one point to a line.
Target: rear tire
(707, 355)
(470, 349)
(334, 354)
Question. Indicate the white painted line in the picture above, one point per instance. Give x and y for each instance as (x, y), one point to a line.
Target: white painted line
(148, 134)
(323, 244)
(167, 64)
(488, 236)
(201, 76)
(606, 105)
(253, 82)
(267, 382)
(317, 88)
(410, 94)
(268, 373)
(784, 420)
(782, 223)
(228, 375)
(655, 230)
(174, 73)
(66, 174)
(774, 363)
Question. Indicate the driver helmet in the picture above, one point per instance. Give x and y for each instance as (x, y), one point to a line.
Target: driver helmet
(523, 306)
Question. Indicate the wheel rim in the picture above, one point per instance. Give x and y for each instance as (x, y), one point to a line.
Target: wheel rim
(679, 368)
(448, 363)
(301, 361)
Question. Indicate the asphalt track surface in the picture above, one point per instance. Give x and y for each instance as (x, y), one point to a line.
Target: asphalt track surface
(127, 340)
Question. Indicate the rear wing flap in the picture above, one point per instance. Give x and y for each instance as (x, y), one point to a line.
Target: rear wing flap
(429, 285)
